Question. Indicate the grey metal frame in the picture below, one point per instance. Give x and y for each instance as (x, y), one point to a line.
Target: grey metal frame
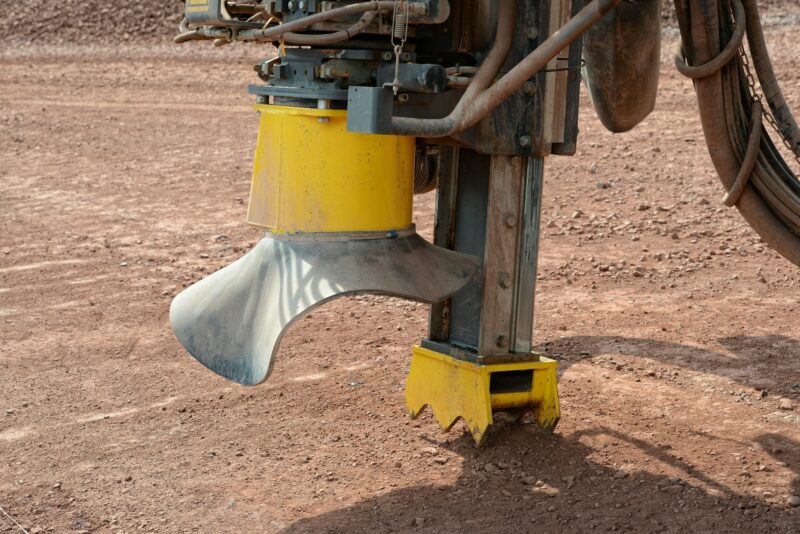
(489, 206)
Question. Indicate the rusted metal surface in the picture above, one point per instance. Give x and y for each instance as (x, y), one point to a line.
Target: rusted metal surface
(622, 54)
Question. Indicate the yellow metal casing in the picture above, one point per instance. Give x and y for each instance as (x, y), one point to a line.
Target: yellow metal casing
(312, 175)
(459, 389)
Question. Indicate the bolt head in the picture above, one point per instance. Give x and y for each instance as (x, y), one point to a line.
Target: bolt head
(504, 280)
(529, 88)
(525, 141)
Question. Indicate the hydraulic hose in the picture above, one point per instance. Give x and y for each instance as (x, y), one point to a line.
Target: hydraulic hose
(333, 37)
(768, 197)
(766, 77)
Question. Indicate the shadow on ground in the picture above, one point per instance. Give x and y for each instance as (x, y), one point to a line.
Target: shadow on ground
(574, 492)
(760, 362)
(578, 494)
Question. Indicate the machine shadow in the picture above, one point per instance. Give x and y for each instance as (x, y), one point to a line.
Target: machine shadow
(573, 493)
(760, 362)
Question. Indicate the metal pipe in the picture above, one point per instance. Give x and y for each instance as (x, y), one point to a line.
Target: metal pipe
(333, 37)
(469, 111)
(486, 73)
(275, 32)
(498, 54)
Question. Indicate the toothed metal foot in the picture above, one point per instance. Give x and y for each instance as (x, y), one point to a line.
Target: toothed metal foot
(456, 389)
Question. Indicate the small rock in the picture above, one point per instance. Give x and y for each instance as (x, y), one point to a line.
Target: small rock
(419, 521)
(643, 207)
(620, 474)
(433, 451)
(793, 500)
(123, 264)
(529, 481)
(786, 404)
(549, 491)
(440, 460)
(491, 468)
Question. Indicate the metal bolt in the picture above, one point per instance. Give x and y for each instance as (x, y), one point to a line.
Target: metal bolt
(533, 32)
(504, 280)
(500, 340)
(510, 220)
(403, 97)
(302, 5)
(291, 5)
(525, 141)
(529, 88)
(387, 56)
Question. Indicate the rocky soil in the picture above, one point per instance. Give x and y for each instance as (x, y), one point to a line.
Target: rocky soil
(124, 176)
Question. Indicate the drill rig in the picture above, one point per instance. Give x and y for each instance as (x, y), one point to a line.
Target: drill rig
(368, 102)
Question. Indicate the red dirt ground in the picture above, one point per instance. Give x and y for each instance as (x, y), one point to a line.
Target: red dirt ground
(124, 177)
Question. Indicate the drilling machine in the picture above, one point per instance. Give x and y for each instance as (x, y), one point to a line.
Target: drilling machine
(366, 103)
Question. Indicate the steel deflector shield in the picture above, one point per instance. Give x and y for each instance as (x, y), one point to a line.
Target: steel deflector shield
(233, 321)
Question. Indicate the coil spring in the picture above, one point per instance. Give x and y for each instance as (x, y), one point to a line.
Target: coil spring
(400, 23)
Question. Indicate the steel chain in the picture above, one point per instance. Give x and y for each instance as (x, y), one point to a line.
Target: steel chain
(757, 96)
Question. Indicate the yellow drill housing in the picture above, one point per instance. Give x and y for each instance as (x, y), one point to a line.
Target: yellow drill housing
(312, 175)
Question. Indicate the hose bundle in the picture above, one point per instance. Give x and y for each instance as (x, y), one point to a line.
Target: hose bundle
(757, 179)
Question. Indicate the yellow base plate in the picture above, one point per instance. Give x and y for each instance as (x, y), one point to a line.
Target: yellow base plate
(459, 389)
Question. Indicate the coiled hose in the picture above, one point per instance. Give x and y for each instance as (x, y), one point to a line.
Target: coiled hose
(756, 177)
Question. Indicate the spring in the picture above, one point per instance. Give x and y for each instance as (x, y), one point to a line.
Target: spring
(400, 23)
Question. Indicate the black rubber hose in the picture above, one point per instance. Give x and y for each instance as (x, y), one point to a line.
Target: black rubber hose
(766, 77)
(770, 201)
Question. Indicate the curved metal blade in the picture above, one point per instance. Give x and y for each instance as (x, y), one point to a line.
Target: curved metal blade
(233, 321)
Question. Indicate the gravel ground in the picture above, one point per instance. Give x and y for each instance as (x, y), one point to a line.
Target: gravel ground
(674, 326)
